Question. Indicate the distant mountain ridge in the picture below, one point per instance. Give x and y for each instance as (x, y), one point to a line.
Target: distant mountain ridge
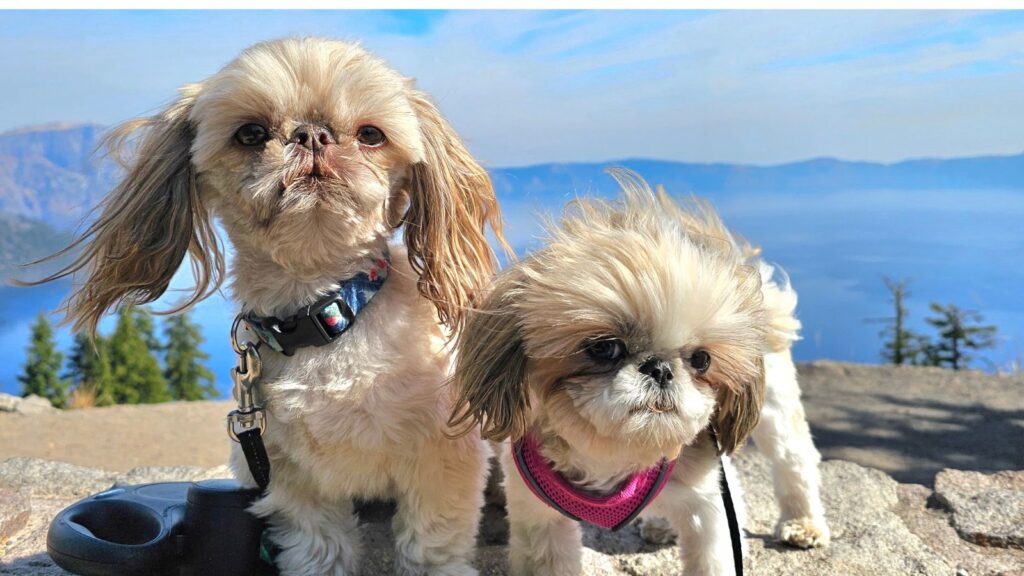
(23, 240)
(810, 176)
(51, 174)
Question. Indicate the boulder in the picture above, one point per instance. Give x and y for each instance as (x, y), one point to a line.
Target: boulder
(867, 535)
(988, 509)
(33, 404)
(15, 509)
(929, 521)
(8, 402)
(48, 479)
(150, 474)
(44, 478)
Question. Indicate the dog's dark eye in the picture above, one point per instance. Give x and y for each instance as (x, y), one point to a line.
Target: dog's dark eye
(609, 350)
(252, 135)
(700, 361)
(370, 136)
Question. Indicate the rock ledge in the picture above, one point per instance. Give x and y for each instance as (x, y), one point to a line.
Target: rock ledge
(879, 527)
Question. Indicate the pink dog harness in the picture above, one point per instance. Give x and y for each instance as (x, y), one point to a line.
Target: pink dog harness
(612, 511)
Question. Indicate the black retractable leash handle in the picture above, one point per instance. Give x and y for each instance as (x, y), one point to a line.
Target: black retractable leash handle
(166, 529)
(177, 528)
(730, 512)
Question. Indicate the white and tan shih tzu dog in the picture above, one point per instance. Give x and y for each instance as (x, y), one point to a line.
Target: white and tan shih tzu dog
(312, 153)
(640, 332)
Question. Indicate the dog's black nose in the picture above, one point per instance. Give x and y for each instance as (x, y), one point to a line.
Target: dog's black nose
(311, 136)
(658, 370)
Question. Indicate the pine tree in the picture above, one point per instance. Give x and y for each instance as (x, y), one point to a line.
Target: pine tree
(89, 368)
(924, 351)
(43, 364)
(186, 375)
(136, 372)
(958, 334)
(899, 347)
(147, 329)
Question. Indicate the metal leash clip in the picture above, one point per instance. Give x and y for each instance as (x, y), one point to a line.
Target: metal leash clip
(249, 415)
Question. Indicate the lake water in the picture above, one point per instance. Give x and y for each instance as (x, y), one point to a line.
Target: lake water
(955, 246)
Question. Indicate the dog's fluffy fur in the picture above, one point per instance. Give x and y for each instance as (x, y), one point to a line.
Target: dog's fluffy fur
(366, 416)
(666, 282)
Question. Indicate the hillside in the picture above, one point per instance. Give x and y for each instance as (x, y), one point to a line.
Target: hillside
(51, 173)
(23, 240)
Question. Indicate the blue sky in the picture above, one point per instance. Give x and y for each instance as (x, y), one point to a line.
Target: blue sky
(527, 87)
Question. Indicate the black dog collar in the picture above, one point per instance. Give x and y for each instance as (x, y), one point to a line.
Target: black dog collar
(326, 319)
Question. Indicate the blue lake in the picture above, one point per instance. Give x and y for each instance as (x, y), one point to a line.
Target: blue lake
(962, 247)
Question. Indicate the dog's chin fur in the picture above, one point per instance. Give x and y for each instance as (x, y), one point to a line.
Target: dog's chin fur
(605, 426)
(366, 416)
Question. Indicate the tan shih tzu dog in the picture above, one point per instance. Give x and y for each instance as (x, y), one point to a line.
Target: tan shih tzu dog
(638, 334)
(311, 153)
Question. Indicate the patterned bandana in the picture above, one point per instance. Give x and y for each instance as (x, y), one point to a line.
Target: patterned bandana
(612, 511)
(329, 317)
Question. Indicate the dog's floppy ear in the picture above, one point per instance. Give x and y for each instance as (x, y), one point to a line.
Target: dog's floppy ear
(148, 223)
(739, 409)
(490, 372)
(451, 202)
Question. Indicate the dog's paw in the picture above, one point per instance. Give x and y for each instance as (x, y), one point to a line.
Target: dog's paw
(657, 530)
(804, 533)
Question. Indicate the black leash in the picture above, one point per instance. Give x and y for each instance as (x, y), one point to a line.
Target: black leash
(730, 513)
(247, 423)
(734, 525)
(256, 456)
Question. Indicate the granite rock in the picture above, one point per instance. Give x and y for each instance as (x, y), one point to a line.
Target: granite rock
(45, 478)
(863, 505)
(33, 404)
(988, 509)
(867, 535)
(931, 522)
(30, 404)
(15, 509)
(9, 402)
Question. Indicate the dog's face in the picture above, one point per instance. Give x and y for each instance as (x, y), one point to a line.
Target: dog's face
(302, 145)
(633, 325)
(309, 151)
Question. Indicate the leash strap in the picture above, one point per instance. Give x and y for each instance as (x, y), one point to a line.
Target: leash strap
(730, 516)
(256, 456)
(730, 511)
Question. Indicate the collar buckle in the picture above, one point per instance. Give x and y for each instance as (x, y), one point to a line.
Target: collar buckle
(325, 320)
(318, 324)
